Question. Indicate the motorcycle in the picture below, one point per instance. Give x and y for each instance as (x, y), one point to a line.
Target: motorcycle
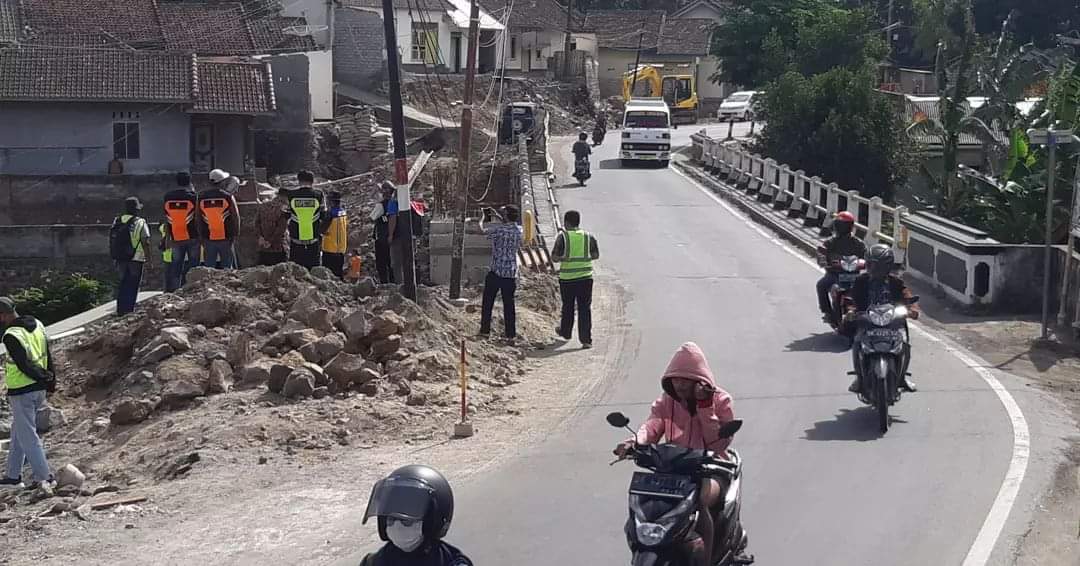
(597, 136)
(847, 269)
(581, 170)
(664, 503)
(881, 354)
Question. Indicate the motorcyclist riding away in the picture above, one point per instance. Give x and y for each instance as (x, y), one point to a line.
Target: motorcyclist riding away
(690, 413)
(843, 243)
(581, 147)
(878, 286)
(414, 506)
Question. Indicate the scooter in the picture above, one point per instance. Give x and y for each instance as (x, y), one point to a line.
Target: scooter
(664, 502)
(881, 354)
(581, 170)
(847, 269)
(597, 136)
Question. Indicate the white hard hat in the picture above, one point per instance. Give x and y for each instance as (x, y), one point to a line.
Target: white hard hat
(217, 176)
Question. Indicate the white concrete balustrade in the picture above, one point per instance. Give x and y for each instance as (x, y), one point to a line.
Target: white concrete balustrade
(816, 201)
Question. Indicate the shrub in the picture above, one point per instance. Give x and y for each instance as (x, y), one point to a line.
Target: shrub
(57, 296)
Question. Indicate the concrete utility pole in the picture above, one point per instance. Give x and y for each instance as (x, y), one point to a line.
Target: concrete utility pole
(566, 44)
(401, 162)
(457, 254)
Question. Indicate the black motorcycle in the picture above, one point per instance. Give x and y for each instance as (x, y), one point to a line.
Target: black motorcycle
(664, 503)
(598, 136)
(881, 354)
(581, 170)
(847, 270)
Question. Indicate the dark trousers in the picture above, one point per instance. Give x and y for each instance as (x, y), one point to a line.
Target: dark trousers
(305, 255)
(576, 293)
(495, 285)
(382, 261)
(185, 255)
(272, 258)
(128, 289)
(823, 285)
(334, 262)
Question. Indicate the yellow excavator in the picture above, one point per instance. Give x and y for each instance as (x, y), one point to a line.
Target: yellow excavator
(673, 81)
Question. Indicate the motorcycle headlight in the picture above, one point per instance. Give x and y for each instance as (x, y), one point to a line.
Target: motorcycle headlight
(900, 312)
(651, 534)
(880, 316)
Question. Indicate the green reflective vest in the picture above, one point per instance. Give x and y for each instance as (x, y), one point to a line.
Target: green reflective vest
(305, 212)
(166, 255)
(578, 262)
(36, 345)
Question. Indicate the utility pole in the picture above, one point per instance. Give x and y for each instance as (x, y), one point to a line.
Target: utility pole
(401, 162)
(889, 29)
(1048, 247)
(566, 44)
(637, 62)
(457, 253)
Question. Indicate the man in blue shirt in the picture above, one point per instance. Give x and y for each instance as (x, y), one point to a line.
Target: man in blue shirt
(506, 238)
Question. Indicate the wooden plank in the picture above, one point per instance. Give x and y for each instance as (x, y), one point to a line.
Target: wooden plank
(114, 501)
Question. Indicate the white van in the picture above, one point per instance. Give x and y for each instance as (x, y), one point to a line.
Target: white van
(646, 131)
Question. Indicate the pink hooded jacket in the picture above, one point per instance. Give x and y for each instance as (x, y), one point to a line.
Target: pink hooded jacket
(670, 418)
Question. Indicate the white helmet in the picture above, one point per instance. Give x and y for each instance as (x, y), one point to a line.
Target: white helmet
(217, 176)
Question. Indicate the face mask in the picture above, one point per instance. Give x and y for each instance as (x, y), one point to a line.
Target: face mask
(407, 538)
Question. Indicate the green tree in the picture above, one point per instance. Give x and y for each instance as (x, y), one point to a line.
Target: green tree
(835, 125)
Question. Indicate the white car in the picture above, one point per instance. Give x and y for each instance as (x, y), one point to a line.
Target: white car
(737, 107)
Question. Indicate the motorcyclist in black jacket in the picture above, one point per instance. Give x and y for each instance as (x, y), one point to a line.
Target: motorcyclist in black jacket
(414, 506)
(843, 243)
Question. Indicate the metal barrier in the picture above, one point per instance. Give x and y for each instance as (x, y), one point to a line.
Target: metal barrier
(816, 201)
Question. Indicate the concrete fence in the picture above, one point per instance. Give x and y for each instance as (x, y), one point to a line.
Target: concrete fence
(802, 195)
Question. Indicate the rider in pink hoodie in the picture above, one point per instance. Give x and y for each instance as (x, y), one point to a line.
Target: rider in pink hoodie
(690, 413)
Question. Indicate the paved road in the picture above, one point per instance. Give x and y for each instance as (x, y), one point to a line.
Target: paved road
(822, 487)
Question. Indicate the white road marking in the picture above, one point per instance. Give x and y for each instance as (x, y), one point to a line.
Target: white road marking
(990, 532)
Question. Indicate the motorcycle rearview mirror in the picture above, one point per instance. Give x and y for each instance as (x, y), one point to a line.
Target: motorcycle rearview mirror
(913, 300)
(618, 420)
(730, 428)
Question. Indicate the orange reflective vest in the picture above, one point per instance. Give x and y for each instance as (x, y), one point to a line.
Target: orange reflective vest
(179, 214)
(216, 213)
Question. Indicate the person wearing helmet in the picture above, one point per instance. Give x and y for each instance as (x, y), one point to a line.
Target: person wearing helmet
(690, 413)
(219, 221)
(879, 285)
(414, 506)
(843, 243)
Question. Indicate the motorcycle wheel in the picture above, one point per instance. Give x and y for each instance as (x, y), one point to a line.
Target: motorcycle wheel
(881, 397)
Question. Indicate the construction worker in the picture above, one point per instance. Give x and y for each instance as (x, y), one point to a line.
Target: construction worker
(182, 225)
(28, 374)
(166, 253)
(307, 222)
(220, 218)
(129, 238)
(381, 214)
(336, 239)
(272, 229)
(576, 250)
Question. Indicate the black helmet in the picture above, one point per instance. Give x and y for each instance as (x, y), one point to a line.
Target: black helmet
(413, 493)
(880, 260)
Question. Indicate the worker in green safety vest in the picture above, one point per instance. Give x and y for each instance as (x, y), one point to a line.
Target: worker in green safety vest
(576, 250)
(28, 375)
(166, 248)
(308, 221)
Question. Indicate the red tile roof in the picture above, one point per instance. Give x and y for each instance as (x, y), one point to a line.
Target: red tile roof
(9, 21)
(213, 86)
(269, 37)
(41, 75)
(213, 29)
(134, 22)
(620, 29)
(685, 36)
(230, 87)
(532, 14)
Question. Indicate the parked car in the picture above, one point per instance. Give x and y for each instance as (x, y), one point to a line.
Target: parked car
(737, 107)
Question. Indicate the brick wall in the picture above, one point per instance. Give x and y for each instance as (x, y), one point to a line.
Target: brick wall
(359, 46)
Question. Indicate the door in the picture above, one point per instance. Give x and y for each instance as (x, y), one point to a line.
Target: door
(202, 146)
(455, 51)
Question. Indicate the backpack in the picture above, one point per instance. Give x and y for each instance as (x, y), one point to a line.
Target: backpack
(120, 246)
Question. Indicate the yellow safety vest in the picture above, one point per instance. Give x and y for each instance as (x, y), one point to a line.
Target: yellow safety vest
(336, 239)
(578, 262)
(166, 255)
(36, 345)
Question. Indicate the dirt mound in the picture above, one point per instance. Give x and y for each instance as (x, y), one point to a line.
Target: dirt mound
(270, 362)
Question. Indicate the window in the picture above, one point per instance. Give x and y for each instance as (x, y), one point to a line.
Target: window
(513, 47)
(425, 43)
(125, 140)
(539, 54)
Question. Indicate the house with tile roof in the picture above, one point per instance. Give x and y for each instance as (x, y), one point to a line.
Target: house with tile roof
(93, 112)
(661, 39)
(537, 31)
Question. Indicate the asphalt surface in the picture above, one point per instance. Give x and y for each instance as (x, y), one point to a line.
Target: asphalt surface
(821, 485)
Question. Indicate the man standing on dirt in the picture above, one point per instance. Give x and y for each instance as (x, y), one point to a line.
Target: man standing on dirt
(506, 238)
(381, 214)
(307, 222)
(180, 231)
(575, 249)
(272, 229)
(129, 238)
(28, 375)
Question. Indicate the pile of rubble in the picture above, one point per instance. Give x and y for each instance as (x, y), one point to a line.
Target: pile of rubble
(272, 362)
